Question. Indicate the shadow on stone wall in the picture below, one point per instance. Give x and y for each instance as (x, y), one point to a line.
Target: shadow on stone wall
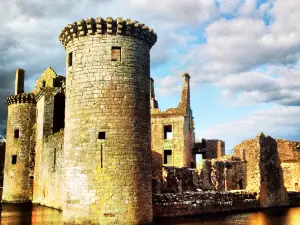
(2, 159)
(272, 189)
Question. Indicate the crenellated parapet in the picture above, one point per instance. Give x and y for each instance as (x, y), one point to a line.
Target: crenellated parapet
(108, 26)
(20, 98)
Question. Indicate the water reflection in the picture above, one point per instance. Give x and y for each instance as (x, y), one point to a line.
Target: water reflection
(277, 216)
(14, 214)
(17, 214)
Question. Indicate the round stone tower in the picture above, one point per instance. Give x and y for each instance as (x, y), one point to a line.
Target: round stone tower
(18, 167)
(107, 155)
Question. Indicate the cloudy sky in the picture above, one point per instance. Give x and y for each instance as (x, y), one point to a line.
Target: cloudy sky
(242, 56)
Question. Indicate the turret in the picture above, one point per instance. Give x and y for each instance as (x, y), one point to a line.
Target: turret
(107, 156)
(18, 168)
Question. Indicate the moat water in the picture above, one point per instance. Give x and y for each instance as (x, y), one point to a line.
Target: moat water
(12, 214)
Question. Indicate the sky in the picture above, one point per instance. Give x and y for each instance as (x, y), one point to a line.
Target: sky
(242, 57)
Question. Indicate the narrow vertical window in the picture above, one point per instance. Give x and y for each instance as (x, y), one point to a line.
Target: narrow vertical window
(54, 160)
(101, 156)
(168, 157)
(116, 54)
(14, 159)
(168, 132)
(16, 133)
(44, 83)
(70, 59)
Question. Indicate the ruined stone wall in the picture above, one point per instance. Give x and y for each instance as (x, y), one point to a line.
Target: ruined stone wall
(176, 144)
(47, 87)
(17, 172)
(289, 154)
(107, 175)
(51, 171)
(222, 174)
(192, 203)
(235, 175)
(264, 171)
(289, 157)
(176, 180)
(249, 151)
(182, 140)
(214, 149)
(291, 175)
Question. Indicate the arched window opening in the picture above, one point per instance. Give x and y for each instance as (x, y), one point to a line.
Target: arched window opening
(59, 113)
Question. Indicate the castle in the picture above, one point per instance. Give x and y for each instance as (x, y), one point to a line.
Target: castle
(90, 143)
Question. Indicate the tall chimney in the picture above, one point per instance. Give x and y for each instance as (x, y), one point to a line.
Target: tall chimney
(19, 82)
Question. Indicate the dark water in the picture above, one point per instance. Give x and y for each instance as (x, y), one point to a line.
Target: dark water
(27, 214)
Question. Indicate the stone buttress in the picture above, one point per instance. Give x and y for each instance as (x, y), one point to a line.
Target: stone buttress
(19, 159)
(107, 156)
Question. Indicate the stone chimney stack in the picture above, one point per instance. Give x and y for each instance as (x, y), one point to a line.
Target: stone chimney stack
(185, 98)
(19, 82)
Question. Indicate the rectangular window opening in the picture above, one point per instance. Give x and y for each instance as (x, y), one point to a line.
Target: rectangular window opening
(168, 157)
(70, 59)
(193, 166)
(14, 159)
(116, 53)
(16, 133)
(101, 135)
(168, 132)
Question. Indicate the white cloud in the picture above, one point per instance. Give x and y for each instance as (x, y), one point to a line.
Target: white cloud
(30, 29)
(228, 6)
(278, 122)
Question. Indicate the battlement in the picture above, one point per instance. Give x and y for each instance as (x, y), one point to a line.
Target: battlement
(20, 98)
(109, 26)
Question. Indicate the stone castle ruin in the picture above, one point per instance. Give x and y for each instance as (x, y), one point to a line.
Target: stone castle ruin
(95, 144)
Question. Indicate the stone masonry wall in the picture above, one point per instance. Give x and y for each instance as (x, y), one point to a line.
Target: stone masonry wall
(159, 144)
(249, 151)
(51, 173)
(192, 203)
(47, 87)
(182, 140)
(176, 180)
(2, 159)
(17, 185)
(289, 155)
(107, 176)
(264, 171)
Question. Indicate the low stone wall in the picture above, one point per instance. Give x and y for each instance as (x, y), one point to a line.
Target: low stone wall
(191, 203)
(294, 198)
(176, 180)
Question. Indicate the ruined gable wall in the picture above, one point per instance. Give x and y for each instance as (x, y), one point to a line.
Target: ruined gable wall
(51, 173)
(249, 151)
(179, 144)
